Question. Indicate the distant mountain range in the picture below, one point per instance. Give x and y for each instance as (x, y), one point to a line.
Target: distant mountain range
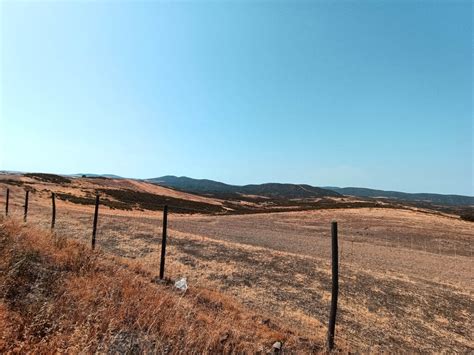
(109, 176)
(276, 190)
(450, 200)
(288, 191)
(270, 190)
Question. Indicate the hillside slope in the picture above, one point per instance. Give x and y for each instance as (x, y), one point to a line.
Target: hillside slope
(272, 190)
(449, 200)
(56, 295)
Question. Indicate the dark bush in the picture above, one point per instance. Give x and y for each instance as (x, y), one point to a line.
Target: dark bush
(12, 182)
(149, 201)
(55, 179)
(468, 215)
(81, 200)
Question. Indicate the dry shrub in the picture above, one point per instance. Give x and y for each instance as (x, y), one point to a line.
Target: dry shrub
(468, 215)
(57, 295)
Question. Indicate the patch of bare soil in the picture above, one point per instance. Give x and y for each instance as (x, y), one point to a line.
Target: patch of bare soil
(377, 310)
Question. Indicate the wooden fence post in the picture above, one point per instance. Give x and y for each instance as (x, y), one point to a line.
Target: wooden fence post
(7, 202)
(335, 287)
(25, 215)
(96, 216)
(53, 216)
(163, 242)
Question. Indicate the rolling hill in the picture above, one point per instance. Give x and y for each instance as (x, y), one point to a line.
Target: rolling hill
(269, 190)
(294, 191)
(449, 200)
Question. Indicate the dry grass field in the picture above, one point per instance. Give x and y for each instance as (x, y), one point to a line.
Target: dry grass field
(406, 275)
(57, 296)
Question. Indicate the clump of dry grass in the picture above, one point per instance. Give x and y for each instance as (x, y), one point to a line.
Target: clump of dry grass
(57, 295)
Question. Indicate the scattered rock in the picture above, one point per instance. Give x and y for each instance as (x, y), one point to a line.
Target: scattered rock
(277, 347)
(157, 280)
(181, 284)
(224, 337)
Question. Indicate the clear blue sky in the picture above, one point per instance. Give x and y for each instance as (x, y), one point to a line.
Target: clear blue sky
(346, 93)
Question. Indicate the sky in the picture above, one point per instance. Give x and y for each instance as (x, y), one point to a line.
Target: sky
(331, 93)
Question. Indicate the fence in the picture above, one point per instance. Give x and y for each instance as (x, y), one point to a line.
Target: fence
(144, 235)
(333, 307)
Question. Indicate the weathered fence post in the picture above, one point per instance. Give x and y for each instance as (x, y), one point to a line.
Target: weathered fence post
(25, 215)
(53, 216)
(335, 286)
(96, 216)
(7, 202)
(163, 242)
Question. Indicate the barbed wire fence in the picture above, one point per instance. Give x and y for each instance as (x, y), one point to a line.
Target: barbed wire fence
(138, 234)
(113, 231)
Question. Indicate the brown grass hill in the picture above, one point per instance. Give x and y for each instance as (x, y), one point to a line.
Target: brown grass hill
(58, 296)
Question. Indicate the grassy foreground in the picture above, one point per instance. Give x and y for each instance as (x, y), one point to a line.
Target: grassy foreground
(58, 296)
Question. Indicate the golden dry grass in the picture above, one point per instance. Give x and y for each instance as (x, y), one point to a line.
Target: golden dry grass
(58, 296)
(406, 276)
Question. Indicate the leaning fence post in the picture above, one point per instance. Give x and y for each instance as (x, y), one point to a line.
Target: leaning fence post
(53, 216)
(25, 215)
(96, 216)
(163, 242)
(7, 201)
(335, 286)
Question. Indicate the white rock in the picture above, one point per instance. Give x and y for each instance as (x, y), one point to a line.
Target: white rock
(277, 345)
(181, 284)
